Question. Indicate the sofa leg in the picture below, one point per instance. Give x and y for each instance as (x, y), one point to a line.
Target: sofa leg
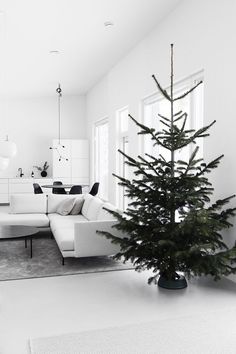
(63, 261)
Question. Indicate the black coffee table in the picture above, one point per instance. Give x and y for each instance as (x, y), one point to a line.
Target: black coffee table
(16, 232)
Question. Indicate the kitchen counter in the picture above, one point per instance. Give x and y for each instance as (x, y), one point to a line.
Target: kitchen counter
(20, 185)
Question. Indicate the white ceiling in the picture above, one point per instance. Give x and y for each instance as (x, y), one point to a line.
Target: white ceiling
(30, 29)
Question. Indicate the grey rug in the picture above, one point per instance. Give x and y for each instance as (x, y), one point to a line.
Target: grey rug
(15, 261)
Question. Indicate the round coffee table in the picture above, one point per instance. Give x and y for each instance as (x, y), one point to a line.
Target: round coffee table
(16, 232)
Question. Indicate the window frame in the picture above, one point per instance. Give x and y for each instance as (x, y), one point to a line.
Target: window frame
(96, 161)
(122, 137)
(181, 85)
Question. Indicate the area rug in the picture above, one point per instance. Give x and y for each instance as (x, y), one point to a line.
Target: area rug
(15, 261)
(196, 334)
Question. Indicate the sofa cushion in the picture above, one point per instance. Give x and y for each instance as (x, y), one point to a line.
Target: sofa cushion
(28, 203)
(93, 208)
(78, 204)
(57, 221)
(104, 214)
(87, 200)
(65, 238)
(37, 220)
(66, 206)
(54, 201)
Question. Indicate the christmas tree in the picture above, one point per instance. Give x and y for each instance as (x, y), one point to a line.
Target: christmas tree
(171, 224)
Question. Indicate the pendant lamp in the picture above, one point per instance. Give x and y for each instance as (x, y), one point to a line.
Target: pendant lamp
(59, 146)
(7, 148)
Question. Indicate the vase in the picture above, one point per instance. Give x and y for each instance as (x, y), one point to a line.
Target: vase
(177, 282)
(44, 173)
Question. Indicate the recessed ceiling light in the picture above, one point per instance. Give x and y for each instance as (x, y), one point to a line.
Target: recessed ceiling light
(108, 24)
(54, 52)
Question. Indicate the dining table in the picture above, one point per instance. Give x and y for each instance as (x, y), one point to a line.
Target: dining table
(67, 187)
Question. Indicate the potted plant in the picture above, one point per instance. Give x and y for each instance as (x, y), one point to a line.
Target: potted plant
(170, 224)
(43, 170)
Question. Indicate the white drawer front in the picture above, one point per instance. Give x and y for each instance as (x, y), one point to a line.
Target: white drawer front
(3, 180)
(3, 188)
(4, 198)
(21, 188)
(41, 181)
(20, 180)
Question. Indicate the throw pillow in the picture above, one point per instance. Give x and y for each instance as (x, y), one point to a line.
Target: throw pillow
(77, 206)
(66, 206)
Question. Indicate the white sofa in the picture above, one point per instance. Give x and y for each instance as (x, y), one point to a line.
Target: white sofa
(75, 234)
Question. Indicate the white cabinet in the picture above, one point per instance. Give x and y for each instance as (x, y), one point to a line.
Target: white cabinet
(4, 197)
(76, 169)
(79, 169)
(25, 185)
(79, 149)
(19, 185)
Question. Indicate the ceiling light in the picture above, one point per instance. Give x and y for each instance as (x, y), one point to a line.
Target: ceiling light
(54, 52)
(108, 24)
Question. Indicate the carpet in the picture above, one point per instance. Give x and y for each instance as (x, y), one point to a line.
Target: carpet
(200, 334)
(15, 261)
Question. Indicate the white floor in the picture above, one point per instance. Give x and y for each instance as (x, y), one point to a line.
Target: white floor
(50, 306)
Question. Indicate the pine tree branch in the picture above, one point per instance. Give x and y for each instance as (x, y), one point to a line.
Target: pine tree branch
(132, 162)
(177, 113)
(211, 165)
(186, 93)
(148, 164)
(184, 123)
(180, 117)
(164, 92)
(198, 134)
(147, 130)
(163, 117)
(191, 159)
(221, 202)
(164, 123)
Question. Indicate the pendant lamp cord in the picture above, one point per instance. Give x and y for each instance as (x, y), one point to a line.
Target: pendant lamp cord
(58, 90)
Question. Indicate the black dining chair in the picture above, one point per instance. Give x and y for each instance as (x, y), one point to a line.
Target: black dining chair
(76, 190)
(94, 189)
(37, 188)
(58, 190)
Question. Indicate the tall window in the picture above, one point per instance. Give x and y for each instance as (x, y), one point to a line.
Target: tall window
(191, 104)
(122, 144)
(101, 157)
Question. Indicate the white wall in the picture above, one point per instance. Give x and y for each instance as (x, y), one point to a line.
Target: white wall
(97, 108)
(32, 123)
(203, 34)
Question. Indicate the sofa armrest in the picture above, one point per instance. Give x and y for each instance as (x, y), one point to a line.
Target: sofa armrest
(88, 242)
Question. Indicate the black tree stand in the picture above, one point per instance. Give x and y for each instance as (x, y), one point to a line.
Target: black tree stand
(177, 282)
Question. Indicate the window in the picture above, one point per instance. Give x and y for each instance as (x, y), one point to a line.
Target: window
(101, 157)
(123, 145)
(191, 104)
